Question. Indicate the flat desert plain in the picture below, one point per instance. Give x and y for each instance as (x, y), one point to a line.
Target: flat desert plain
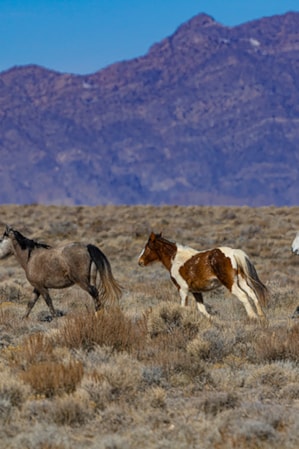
(147, 372)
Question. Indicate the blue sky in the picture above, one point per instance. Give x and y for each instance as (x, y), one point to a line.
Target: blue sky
(83, 36)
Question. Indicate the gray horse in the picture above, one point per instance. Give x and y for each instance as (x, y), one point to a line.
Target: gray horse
(49, 267)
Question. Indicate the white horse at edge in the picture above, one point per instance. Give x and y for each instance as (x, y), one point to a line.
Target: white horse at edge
(295, 250)
(295, 244)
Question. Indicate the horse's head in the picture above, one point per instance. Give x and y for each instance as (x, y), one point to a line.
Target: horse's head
(12, 234)
(5, 243)
(295, 244)
(149, 253)
(8, 232)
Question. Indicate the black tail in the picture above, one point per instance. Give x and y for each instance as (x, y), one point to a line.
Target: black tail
(109, 289)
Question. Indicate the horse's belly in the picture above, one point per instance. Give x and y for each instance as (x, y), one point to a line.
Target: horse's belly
(199, 285)
(198, 274)
(58, 283)
(49, 276)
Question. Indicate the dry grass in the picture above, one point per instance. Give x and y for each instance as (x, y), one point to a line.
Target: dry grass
(51, 378)
(109, 327)
(149, 373)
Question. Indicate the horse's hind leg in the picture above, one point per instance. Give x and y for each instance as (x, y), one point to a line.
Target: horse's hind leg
(243, 284)
(88, 284)
(31, 303)
(222, 267)
(48, 301)
(242, 296)
(93, 291)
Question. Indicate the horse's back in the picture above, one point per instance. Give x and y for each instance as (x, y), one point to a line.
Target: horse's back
(234, 255)
(75, 255)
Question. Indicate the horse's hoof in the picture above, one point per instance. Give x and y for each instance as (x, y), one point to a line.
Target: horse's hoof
(45, 318)
(296, 313)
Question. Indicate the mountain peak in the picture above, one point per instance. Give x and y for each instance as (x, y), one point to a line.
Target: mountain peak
(208, 116)
(198, 23)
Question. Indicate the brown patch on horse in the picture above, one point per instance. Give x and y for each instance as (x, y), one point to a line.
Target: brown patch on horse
(198, 272)
(222, 267)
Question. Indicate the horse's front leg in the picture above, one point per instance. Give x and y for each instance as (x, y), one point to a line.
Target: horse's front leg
(200, 304)
(184, 296)
(30, 304)
(48, 301)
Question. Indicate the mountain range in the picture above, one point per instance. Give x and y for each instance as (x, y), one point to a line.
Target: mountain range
(208, 116)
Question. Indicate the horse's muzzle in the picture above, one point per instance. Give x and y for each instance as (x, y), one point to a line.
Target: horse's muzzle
(141, 263)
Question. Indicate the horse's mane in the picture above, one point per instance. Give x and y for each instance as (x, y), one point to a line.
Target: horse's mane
(167, 246)
(26, 243)
(165, 241)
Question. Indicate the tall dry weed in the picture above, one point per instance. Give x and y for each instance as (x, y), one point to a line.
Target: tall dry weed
(35, 348)
(52, 378)
(281, 343)
(108, 328)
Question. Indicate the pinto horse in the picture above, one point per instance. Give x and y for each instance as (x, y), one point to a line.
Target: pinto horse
(60, 267)
(202, 271)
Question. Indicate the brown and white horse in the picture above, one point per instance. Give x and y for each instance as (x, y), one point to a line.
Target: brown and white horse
(202, 271)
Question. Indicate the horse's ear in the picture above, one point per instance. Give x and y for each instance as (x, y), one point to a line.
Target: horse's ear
(154, 236)
(7, 229)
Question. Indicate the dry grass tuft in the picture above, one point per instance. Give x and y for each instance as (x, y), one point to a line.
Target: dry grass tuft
(278, 344)
(110, 328)
(36, 348)
(12, 390)
(119, 378)
(199, 348)
(157, 397)
(215, 403)
(10, 292)
(71, 411)
(51, 378)
(168, 317)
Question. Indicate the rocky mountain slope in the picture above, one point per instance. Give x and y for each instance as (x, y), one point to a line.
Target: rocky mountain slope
(210, 115)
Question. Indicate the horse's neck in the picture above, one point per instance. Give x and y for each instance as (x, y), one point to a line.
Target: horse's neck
(166, 251)
(22, 255)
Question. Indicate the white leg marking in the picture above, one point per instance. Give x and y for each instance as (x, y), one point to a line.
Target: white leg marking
(244, 300)
(202, 309)
(252, 295)
(183, 295)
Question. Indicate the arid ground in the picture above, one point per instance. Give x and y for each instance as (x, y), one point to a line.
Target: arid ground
(149, 373)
